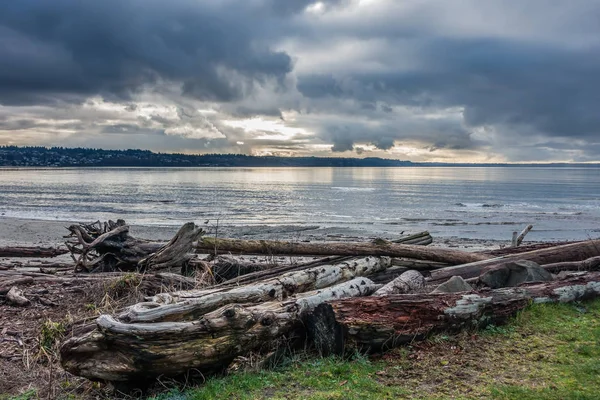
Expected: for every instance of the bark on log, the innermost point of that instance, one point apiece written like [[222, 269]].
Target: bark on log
[[570, 252], [42, 252], [409, 282], [379, 248], [116, 351], [375, 323], [189, 305]]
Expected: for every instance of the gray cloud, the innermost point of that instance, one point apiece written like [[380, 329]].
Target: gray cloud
[[488, 80], [115, 48]]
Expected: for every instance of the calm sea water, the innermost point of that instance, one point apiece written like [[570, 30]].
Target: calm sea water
[[561, 203]]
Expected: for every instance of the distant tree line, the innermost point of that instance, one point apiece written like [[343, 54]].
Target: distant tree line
[[34, 156]]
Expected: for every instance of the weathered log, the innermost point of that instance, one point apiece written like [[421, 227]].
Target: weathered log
[[251, 272], [570, 252], [523, 248], [419, 265], [379, 248], [47, 265], [375, 323], [176, 253], [590, 264], [523, 233], [409, 282], [189, 305], [115, 351], [42, 252], [110, 247], [147, 284], [278, 270]]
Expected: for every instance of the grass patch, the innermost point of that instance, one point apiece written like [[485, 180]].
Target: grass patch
[[546, 352]]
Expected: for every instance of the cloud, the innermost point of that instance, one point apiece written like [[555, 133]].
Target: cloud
[[429, 80], [116, 48]]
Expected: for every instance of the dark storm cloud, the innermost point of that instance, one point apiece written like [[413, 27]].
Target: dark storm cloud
[[115, 47], [498, 82]]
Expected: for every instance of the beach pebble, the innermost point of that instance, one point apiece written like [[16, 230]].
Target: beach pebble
[[515, 273], [453, 285]]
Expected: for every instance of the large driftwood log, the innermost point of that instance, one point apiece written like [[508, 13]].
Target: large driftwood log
[[570, 252], [189, 305], [116, 351], [374, 323], [239, 273], [20, 251], [379, 248]]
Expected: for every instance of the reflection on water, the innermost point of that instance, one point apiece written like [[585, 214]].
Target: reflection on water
[[562, 203]]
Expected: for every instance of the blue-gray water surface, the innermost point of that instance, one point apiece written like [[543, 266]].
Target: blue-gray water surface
[[472, 202]]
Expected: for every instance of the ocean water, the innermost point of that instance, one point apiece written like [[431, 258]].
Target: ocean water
[[489, 202]]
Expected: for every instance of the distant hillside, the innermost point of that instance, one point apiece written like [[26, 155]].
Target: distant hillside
[[13, 156]]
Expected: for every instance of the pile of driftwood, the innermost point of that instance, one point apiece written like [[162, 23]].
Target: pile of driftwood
[[367, 296]]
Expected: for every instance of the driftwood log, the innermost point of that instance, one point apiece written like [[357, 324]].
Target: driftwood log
[[176, 254], [189, 305], [378, 248], [117, 351], [409, 282], [42, 252], [235, 272], [375, 323], [109, 247], [590, 264], [570, 252], [148, 284]]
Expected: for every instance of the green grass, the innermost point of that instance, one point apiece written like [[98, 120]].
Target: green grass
[[546, 352]]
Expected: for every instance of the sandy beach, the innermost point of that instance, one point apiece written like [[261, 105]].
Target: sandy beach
[[29, 232]]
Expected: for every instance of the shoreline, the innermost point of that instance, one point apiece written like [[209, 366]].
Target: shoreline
[[44, 233]]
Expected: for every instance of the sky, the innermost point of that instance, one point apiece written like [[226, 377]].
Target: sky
[[419, 80]]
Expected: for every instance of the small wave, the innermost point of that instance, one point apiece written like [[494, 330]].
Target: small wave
[[479, 205], [352, 189], [493, 205]]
